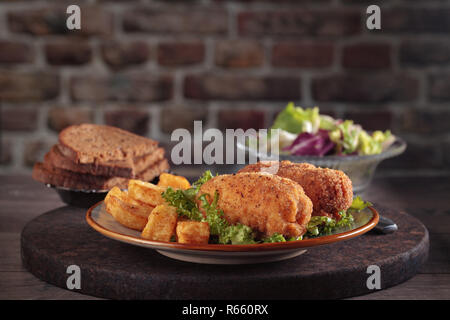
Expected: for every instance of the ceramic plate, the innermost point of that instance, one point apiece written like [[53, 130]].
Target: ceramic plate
[[103, 222]]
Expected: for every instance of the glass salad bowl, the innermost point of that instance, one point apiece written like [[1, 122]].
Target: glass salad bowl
[[359, 168]]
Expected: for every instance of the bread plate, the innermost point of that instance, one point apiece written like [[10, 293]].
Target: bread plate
[[79, 198], [104, 223], [82, 198]]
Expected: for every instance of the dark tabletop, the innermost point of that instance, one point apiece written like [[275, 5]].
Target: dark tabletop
[[427, 198]]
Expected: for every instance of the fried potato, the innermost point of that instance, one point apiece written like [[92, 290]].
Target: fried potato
[[140, 208], [193, 232], [127, 214], [171, 180], [161, 224], [146, 192]]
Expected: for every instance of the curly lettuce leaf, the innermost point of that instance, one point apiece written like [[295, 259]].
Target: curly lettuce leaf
[[184, 202], [276, 237], [214, 216], [237, 234], [207, 175], [327, 123], [373, 144], [296, 119], [322, 225], [359, 204], [346, 137]]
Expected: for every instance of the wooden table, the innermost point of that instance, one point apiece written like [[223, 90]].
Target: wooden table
[[427, 198]]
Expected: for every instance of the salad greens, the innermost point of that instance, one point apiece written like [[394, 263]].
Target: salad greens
[[307, 132], [322, 225], [185, 201], [296, 120], [276, 237]]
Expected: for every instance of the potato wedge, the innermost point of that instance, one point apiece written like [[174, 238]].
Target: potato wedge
[[171, 180], [161, 224], [193, 232], [126, 214], [137, 207], [146, 192]]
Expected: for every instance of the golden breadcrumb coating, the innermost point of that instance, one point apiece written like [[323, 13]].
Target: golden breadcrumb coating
[[330, 190], [265, 202]]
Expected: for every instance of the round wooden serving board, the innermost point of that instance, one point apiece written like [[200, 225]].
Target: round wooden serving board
[[111, 269]]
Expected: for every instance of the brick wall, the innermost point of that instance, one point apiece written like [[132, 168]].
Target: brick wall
[[154, 66]]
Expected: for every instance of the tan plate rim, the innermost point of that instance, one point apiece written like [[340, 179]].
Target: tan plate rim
[[235, 247]]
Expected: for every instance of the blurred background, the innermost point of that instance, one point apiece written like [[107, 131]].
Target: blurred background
[[153, 66]]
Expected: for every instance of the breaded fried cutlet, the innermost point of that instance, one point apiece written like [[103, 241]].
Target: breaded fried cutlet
[[330, 190], [265, 202]]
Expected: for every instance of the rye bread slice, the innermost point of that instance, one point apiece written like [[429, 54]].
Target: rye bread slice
[[46, 173], [107, 168], [92, 143]]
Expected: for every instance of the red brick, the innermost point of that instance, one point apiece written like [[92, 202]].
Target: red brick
[[21, 86], [305, 55], [6, 152], [180, 53], [239, 54], [439, 87], [416, 20], [175, 117], [424, 53], [424, 121], [121, 87], [131, 119], [241, 119], [68, 53], [52, 20], [35, 150], [120, 55], [176, 20], [19, 119], [367, 56], [62, 117], [446, 148], [230, 87], [365, 88], [15, 52], [305, 22]]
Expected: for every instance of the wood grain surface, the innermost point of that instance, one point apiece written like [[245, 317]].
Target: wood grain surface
[[426, 198]]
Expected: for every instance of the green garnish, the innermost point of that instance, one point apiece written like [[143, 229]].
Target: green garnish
[[322, 225], [207, 175], [184, 200], [276, 237], [359, 204], [237, 234]]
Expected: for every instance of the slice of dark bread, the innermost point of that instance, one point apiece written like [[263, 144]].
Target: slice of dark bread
[[92, 143], [107, 168], [48, 174]]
